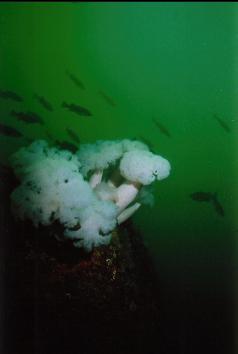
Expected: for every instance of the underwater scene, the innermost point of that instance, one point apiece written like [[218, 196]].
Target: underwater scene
[[118, 170]]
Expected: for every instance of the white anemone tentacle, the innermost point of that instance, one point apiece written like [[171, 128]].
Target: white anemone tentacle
[[127, 213], [96, 178]]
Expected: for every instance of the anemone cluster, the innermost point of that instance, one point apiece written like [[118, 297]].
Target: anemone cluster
[[89, 192]]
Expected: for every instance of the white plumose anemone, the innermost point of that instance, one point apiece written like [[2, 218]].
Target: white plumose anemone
[[54, 186], [139, 167]]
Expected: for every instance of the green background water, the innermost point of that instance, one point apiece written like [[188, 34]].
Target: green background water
[[175, 62]]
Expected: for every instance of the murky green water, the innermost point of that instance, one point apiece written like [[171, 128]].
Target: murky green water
[[173, 62]]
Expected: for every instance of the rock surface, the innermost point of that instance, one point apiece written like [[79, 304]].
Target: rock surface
[[57, 299]]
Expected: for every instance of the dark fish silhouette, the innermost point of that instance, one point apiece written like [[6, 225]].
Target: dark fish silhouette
[[73, 135], [10, 95], [218, 207], [202, 196], [75, 80], [67, 146], [9, 131], [162, 128], [108, 99], [222, 123], [46, 104], [209, 197], [147, 142], [77, 109], [28, 117]]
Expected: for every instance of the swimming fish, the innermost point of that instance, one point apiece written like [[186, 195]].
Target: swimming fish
[[67, 146], [222, 123], [218, 207], [108, 99], [77, 109], [9, 131], [209, 197], [75, 80], [28, 117], [10, 95], [73, 135], [162, 128], [46, 104], [202, 196], [147, 142]]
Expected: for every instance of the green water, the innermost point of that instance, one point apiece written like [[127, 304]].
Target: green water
[[175, 62]]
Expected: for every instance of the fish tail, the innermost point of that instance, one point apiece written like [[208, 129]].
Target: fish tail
[[214, 197], [68, 73], [37, 97]]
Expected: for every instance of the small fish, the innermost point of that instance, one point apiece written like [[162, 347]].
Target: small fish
[[162, 128], [202, 196], [217, 206], [108, 99], [222, 123], [28, 117], [10, 95], [77, 109], [67, 146], [73, 135], [147, 142], [75, 80], [209, 197], [9, 131], [46, 104]]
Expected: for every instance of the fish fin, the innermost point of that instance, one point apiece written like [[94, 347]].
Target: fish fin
[[214, 197]]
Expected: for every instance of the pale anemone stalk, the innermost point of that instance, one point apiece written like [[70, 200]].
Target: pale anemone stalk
[[96, 178], [127, 213]]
